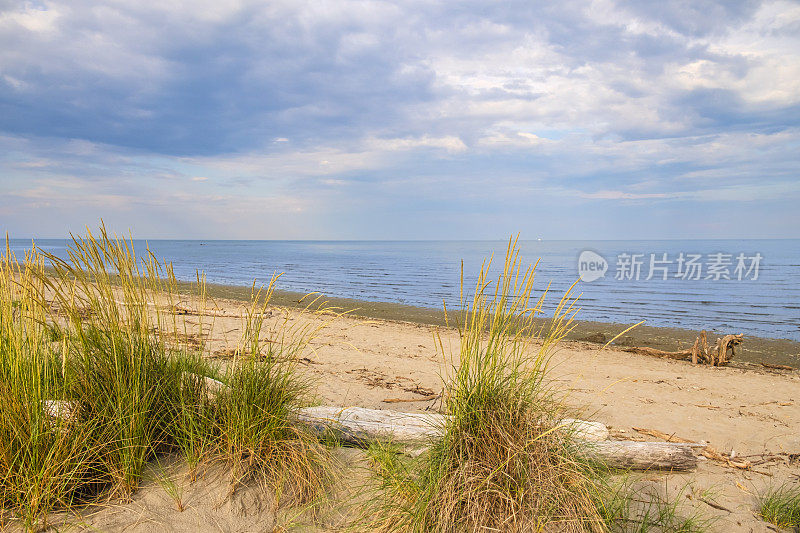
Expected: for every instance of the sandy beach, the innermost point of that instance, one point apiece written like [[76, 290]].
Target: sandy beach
[[449, 267], [748, 412], [755, 349]]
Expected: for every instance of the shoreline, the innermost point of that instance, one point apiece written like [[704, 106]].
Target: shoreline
[[754, 350]]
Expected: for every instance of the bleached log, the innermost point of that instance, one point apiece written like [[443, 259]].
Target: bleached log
[[355, 424], [633, 455], [60, 409], [586, 430], [358, 426], [212, 386]]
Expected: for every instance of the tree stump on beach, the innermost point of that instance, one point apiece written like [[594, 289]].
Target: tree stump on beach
[[721, 354]]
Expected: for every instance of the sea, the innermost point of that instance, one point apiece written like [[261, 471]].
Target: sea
[[729, 286]]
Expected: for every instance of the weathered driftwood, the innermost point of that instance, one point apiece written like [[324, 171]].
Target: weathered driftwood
[[707, 450], [682, 355], [635, 455], [212, 386], [773, 366], [357, 425], [60, 409], [723, 352]]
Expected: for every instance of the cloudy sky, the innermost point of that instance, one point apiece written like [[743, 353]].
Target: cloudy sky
[[393, 120]]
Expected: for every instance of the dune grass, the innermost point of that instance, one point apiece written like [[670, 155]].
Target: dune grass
[[781, 506], [630, 503], [502, 464], [44, 461], [505, 462], [249, 422], [96, 381], [194, 430]]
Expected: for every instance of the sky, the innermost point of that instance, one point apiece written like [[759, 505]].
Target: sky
[[401, 120]]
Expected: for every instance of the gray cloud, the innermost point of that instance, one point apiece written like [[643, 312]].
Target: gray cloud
[[413, 106], [696, 18]]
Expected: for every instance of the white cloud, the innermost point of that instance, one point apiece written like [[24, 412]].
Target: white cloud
[[447, 143], [622, 195], [519, 139]]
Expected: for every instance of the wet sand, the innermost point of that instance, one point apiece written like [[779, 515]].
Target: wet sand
[[754, 350]]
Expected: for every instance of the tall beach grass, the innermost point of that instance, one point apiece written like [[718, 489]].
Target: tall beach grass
[[505, 460], [95, 381], [502, 463], [45, 461]]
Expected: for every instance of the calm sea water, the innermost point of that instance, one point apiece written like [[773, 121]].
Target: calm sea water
[[764, 302]]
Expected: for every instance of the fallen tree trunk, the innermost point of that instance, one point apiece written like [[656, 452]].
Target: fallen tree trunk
[[633, 455], [359, 426]]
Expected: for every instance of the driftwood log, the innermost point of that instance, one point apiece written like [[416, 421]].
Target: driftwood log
[[358, 426], [721, 354], [707, 450]]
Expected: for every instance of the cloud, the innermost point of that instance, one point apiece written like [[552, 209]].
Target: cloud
[[621, 195], [448, 143], [431, 107]]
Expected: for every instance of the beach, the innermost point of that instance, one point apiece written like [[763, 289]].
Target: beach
[[755, 349], [750, 413], [400, 267]]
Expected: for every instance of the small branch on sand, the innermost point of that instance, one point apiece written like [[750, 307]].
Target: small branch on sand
[[722, 353], [409, 400], [715, 505], [776, 367]]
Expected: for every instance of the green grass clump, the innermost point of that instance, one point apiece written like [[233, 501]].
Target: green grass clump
[[502, 464], [117, 370], [44, 461], [781, 506], [193, 430], [249, 421], [628, 504], [257, 434], [95, 383]]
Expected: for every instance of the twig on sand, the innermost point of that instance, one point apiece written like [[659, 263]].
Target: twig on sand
[[404, 400], [714, 505]]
